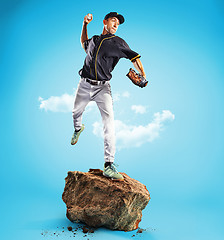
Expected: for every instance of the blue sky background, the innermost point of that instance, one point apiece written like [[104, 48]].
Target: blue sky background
[[181, 44]]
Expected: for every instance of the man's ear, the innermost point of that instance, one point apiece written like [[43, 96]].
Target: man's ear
[[104, 22]]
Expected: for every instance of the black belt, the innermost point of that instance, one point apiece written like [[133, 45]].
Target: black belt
[[94, 82]]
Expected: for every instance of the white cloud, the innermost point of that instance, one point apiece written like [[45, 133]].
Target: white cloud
[[97, 129], [63, 103], [117, 96], [134, 136], [138, 109], [126, 94], [90, 107], [164, 117]]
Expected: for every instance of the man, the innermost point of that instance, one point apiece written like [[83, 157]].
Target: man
[[103, 53]]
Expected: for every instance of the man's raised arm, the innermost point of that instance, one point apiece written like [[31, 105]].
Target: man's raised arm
[[84, 36]]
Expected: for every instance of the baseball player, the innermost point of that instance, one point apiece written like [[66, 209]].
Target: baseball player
[[102, 54]]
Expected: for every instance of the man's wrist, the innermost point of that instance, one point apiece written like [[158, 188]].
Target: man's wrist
[[143, 74]]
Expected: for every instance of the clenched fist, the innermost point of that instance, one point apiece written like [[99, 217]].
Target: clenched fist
[[88, 18]]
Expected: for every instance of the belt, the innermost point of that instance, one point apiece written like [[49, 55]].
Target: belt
[[94, 82]]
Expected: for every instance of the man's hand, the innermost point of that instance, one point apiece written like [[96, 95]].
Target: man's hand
[[88, 18]]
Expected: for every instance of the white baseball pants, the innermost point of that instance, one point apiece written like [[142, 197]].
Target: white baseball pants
[[102, 96]]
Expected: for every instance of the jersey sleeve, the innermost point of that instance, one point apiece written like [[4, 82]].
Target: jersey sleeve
[[126, 52], [86, 44]]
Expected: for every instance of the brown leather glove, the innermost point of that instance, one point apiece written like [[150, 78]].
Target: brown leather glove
[[137, 78]]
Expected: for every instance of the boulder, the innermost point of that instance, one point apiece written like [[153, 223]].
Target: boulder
[[99, 201]]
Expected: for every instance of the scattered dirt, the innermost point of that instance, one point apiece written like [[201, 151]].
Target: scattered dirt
[[140, 230], [86, 230], [69, 228]]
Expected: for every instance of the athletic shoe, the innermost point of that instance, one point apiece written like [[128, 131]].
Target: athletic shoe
[[111, 172], [75, 135]]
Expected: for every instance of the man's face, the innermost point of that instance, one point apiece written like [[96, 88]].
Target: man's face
[[111, 25]]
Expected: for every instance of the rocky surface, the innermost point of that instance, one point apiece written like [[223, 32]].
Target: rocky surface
[[101, 202]]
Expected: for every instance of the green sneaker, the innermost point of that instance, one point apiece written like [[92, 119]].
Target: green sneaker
[[75, 135], [111, 172]]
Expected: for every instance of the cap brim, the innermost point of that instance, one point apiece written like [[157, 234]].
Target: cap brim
[[120, 18]]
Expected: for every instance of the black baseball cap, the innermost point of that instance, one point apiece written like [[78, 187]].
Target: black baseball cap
[[115, 14]]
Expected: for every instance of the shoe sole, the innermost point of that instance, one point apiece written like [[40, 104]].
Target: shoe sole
[[74, 143], [114, 179]]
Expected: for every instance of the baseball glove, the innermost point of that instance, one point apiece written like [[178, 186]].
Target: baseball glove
[[137, 78]]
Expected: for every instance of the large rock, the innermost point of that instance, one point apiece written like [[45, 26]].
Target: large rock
[[99, 201]]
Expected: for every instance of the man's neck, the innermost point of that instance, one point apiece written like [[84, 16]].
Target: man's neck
[[105, 32]]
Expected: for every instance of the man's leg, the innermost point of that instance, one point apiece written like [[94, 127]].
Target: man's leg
[[104, 102], [82, 98], [105, 105]]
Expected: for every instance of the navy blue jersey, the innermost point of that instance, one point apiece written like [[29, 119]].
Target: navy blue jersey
[[103, 53]]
